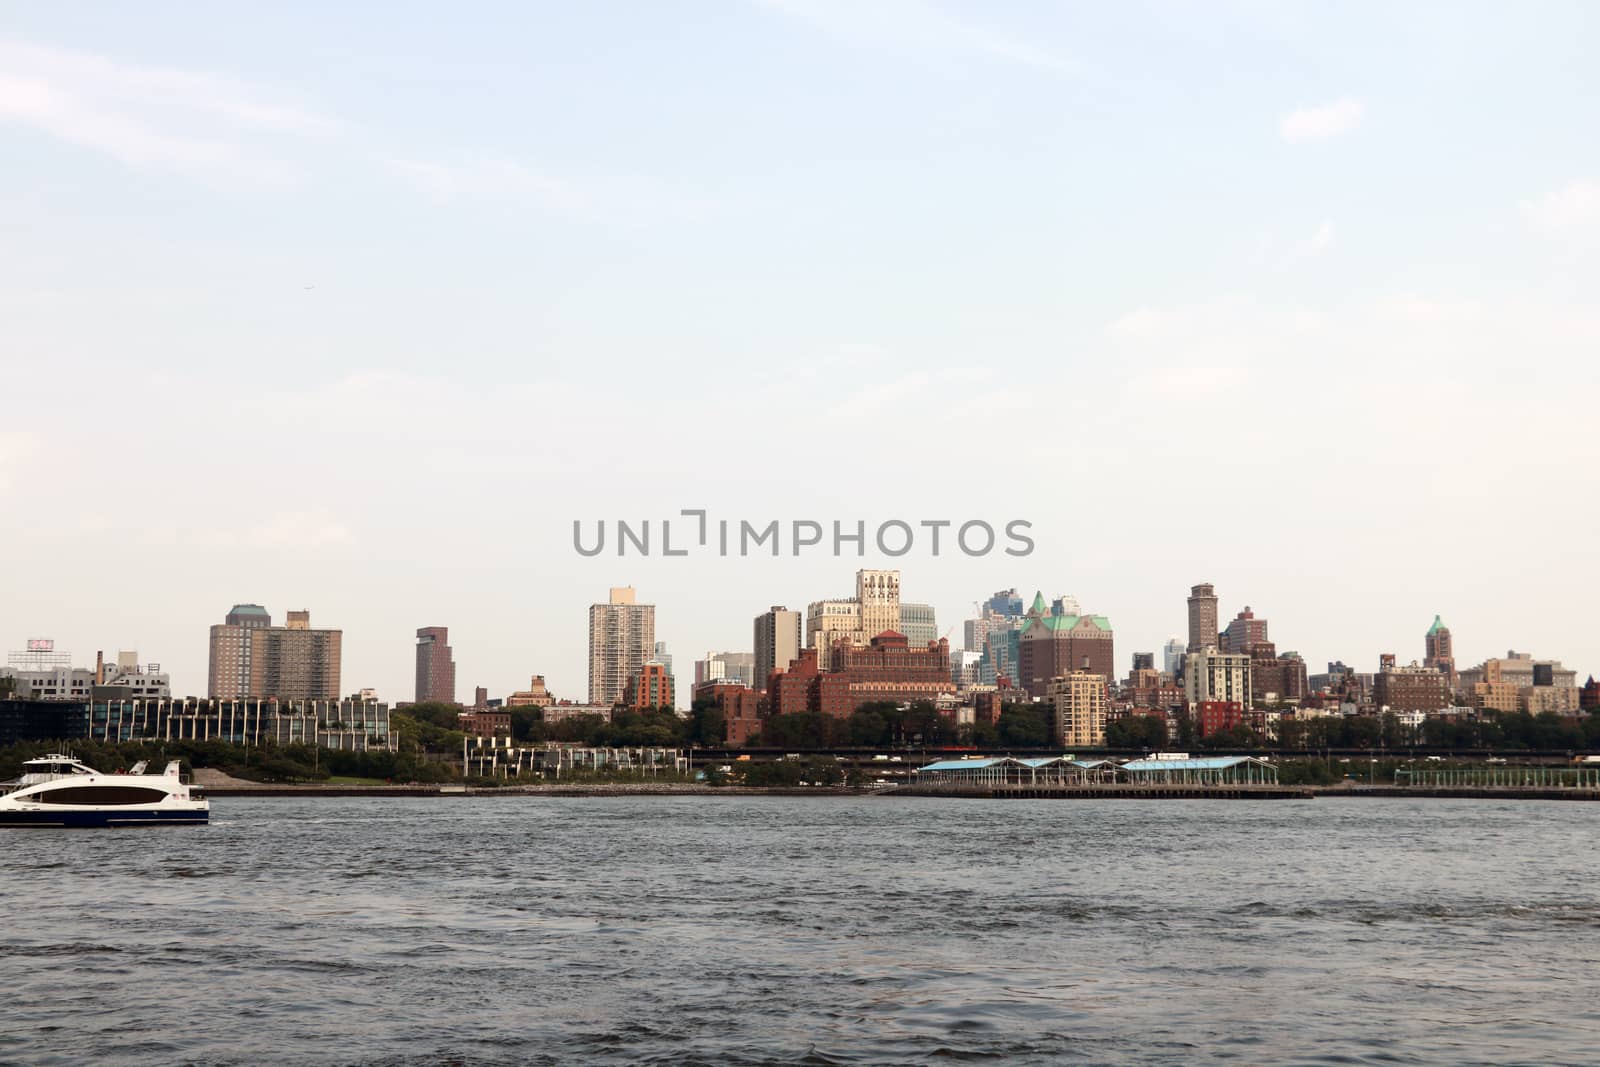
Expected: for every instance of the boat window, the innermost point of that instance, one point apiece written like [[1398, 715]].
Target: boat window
[[100, 794]]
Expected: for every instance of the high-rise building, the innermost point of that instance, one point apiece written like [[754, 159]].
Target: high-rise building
[[1211, 675], [622, 636], [1065, 604], [917, 623], [252, 659], [436, 666], [1276, 679], [875, 609], [1079, 701], [650, 687], [1439, 649], [1202, 618], [1172, 657], [1053, 645], [1243, 633], [737, 667], [1144, 661], [777, 637]]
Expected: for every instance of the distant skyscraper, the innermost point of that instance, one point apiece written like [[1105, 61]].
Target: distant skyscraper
[[1144, 661], [1065, 604], [436, 666], [1202, 618], [737, 667], [917, 623], [1244, 633], [1440, 649], [622, 636], [874, 609], [777, 637], [1172, 657], [251, 658], [1050, 646]]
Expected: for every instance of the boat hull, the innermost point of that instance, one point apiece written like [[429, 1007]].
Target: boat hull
[[109, 819]]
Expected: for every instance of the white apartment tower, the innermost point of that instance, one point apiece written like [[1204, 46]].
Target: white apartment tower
[[622, 637]]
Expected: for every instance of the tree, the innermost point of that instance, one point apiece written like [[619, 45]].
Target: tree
[[1137, 731], [1024, 726], [707, 725]]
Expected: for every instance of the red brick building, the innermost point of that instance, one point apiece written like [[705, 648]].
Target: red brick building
[[740, 706], [889, 669], [1050, 646], [651, 687], [805, 688], [1274, 678], [1211, 716], [485, 722]]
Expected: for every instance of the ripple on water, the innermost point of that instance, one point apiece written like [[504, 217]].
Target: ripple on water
[[809, 930]]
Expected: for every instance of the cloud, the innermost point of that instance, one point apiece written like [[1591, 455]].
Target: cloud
[[1574, 206], [1321, 123], [917, 26], [154, 118]]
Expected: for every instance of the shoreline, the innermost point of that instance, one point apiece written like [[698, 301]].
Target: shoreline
[[239, 788]]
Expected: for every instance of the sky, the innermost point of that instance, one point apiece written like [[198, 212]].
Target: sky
[[357, 308]]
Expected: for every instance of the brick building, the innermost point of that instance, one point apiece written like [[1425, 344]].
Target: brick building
[[1050, 646], [485, 722], [1276, 679], [1411, 688], [1212, 716], [804, 687], [650, 687], [740, 706]]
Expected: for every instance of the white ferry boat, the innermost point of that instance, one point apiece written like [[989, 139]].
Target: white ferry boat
[[58, 790]]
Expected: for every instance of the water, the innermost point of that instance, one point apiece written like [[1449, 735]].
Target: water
[[809, 930]]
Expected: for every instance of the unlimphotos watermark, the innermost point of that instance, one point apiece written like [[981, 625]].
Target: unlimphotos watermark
[[741, 537]]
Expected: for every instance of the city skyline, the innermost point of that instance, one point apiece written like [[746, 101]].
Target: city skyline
[[1404, 653], [333, 335]]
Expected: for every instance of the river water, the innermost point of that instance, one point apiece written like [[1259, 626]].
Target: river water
[[809, 930]]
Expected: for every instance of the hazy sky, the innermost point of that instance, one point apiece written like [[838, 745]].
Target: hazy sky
[[356, 308]]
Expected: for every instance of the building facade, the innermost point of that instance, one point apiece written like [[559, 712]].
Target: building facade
[[1411, 688], [1243, 633], [778, 635], [1049, 646], [873, 610], [918, 624], [1439, 649], [436, 666], [1079, 703], [622, 637], [253, 660], [347, 725], [1202, 618], [537, 695], [1213, 675], [737, 667], [650, 687]]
